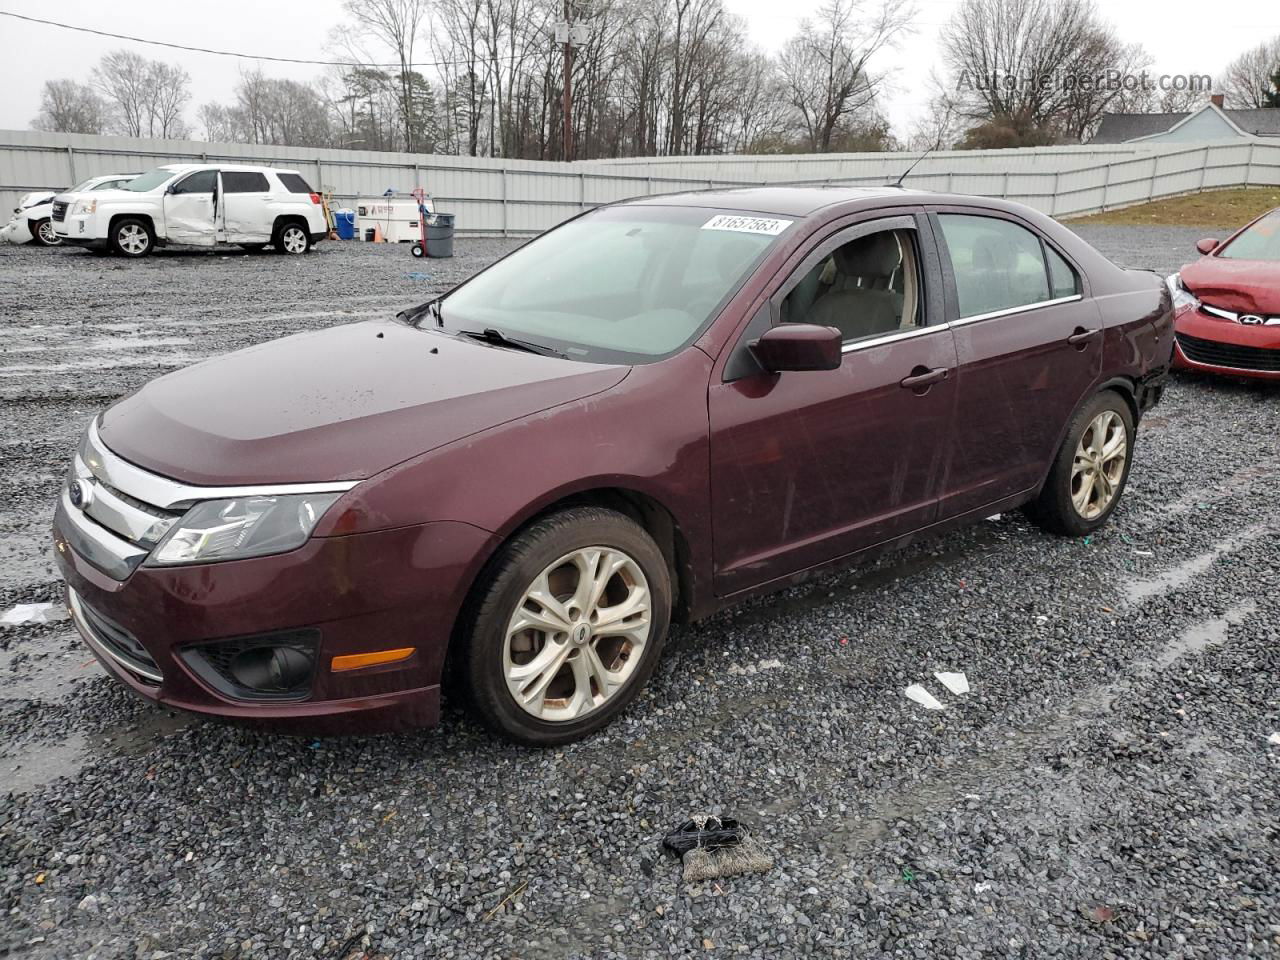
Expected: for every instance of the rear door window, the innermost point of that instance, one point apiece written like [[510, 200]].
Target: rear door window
[[244, 181], [294, 183], [1062, 278], [998, 265]]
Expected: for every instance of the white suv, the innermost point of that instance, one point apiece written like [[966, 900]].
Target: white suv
[[199, 205]]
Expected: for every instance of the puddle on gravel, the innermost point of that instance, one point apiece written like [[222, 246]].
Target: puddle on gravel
[[33, 765], [51, 671], [1200, 636], [1139, 591]]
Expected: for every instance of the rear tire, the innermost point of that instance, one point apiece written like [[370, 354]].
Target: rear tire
[[131, 237], [43, 235], [599, 572], [291, 238], [1091, 469]]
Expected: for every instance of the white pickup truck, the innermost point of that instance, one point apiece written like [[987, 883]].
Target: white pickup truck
[[197, 205]]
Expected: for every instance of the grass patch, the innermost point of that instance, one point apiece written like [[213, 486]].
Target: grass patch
[[1213, 208]]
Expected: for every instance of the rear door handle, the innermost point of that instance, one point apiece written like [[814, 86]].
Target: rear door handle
[[925, 377], [1082, 336]]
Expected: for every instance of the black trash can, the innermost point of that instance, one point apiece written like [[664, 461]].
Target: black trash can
[[440, 235]]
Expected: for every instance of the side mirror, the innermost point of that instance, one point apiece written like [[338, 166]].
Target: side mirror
[[798, 346], [1207, 246]]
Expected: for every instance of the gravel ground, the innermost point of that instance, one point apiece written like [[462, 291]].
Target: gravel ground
[[1106, 789]]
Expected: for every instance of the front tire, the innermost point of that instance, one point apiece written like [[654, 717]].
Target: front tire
[[568, 627], [1091, 469], [292, 239], [43, 235], [131, 237]]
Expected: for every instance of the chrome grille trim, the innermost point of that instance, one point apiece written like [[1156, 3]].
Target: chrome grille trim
[[169, 495], [114, 556], [102, 648]]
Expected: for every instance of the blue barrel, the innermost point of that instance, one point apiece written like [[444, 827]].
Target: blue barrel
[[345, 223]]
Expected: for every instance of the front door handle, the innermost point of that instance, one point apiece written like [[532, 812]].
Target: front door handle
[[1082, 336], [922, 378]]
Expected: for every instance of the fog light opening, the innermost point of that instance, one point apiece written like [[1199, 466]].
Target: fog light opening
[[272, 669]]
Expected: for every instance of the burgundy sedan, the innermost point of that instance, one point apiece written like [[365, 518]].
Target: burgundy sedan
[[1228, 304], [652, 411]]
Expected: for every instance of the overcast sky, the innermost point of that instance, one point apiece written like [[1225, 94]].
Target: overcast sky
[[1184, 37]]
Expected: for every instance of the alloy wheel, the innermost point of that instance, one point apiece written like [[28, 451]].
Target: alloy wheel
[[133, 239], [48, 236], [294, 240], [576, 637], [1099, 464]]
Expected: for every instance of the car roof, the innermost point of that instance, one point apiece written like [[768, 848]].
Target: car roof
[[785, 201], [252, 168]]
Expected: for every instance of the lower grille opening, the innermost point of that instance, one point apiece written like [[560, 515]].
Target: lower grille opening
[[274, 666], [1216, 354], [122, 645]]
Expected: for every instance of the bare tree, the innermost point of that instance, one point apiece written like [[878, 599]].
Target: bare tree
[[1035, 68], [825, 68], [397, 25], [124, 78], [168, 94], [68, 106], [1248, 76], [147, 97]]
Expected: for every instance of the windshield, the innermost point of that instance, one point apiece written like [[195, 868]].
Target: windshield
[[629, 283], [149, 180], [1260, 241]]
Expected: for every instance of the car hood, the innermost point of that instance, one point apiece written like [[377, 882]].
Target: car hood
[[1243, 286], [336, 404]]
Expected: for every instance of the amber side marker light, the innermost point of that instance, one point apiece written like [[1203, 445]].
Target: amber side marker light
[[354, 661]]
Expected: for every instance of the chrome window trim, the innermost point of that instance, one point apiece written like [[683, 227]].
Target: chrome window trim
[[875, 341], [100, 648], [166, 494], [1009, 311], [852, 345]]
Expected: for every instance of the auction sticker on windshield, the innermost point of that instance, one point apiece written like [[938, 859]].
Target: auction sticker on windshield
[[747, 224]]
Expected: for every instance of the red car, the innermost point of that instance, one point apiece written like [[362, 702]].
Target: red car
[[650, 412], [1228, 304]]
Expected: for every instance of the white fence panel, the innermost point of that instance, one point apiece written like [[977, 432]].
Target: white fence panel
[[496, 195]]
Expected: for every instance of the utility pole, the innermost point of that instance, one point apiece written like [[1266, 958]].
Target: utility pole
[[568, 83], [571, 35]]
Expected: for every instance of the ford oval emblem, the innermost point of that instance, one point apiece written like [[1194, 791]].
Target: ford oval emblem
[[80, 494], [1251, 319]]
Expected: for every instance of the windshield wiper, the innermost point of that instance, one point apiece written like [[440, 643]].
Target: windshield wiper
[[499, 339]]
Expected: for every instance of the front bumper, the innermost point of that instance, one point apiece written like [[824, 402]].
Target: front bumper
[[80, 229], [1215, 345], [359, 593]]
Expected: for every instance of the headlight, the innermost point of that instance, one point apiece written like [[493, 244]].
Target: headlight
[[1183, 299], [243, 527], [85, 206]]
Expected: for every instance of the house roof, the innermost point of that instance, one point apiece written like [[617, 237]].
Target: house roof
[[1261, 123], [1119, 127], [1123, 127]]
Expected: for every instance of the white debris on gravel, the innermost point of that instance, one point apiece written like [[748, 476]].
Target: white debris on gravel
[[923, 697], [23, 613], [957, 683]]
